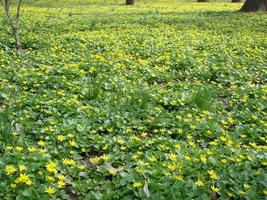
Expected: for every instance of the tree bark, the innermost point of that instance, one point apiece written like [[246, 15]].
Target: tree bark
[[236, 1], [254, 6], [129, 2]]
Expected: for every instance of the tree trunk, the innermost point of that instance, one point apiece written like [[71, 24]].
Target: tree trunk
[[254, 6], [13, 23], [16, 37], [129, 2], [202, 0], [236, 1]]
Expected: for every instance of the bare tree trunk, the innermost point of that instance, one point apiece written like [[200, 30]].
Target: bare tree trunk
[[236, 1], [254, 6], [14, 24], [129, 2]]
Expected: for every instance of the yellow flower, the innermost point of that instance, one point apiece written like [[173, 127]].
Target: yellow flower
[[91, 69], [187, 158], [167, 173], [94, 160], [179, 177], [32, 149], [42, 150], [22, 168], [152, 159], [137, 184], [192, 144], [231, 120], [68, 161], [10, 169], [199, 183], [105, 157], [112, 172], [41, 143], [72, 143], [230, 194], [179, 130], [143, 62], [123, 148], [9, 147], [51, 167], [13, 185], [203, 159], [50, 190], [60, 138], [246, 186], [61, 184], [171, 167], [19, 148], [144, 134], [213, 143], [61, 177], [14, 133], [179, 166], [212, 174], [214, 189], [173, 157], [50, 178], [177, 146], [29, 182], [82, 167], [23, 178]]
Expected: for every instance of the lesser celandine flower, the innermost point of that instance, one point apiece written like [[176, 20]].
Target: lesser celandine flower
[[19, 148], [23, 178], [10, 169], [51, 167], [199, 183], [50, 190], [120, 141], [50, 178], [61, 184], [137, 184], [179, 177], [41, 143], [105, 157], [22, 168], [95, 160], [215, 189], [29, 182], [60, 138], [112, 171], [173, 157], [68, 161], [72, 143], [43, 150], [246, 186], [32, 149], [212, 174], [203, 159], [9, 147]]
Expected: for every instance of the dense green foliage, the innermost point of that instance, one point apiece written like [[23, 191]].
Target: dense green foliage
[[159, 100]]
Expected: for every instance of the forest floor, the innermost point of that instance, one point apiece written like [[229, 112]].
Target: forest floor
[[159, 100]]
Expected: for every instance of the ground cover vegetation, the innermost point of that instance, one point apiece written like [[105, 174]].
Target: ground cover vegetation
[[161, 100]]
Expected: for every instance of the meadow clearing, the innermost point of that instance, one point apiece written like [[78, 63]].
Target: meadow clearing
[[160, 100]]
